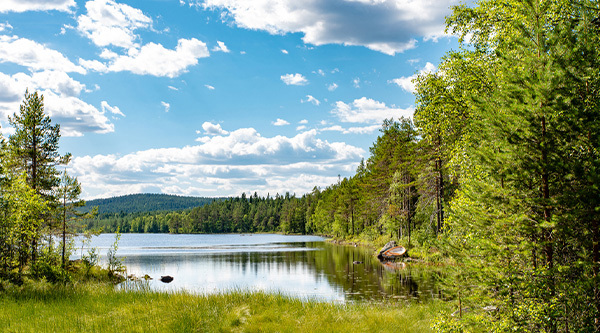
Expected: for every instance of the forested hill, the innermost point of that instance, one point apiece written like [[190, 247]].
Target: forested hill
[[139, 203]]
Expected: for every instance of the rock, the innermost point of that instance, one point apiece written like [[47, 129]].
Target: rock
[[388, 246], [391, 251], [166, 279]]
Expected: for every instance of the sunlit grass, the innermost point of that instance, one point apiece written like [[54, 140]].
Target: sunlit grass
[[96, 307]]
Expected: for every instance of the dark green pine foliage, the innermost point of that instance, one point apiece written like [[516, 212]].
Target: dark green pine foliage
[[525, 219], [34, 151], [34, 144]]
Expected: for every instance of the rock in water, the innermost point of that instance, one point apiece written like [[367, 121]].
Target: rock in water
[[166, 278]]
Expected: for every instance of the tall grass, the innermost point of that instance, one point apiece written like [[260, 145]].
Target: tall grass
[[42, 307]]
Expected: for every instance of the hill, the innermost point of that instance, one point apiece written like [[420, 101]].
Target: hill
[[139, 203]]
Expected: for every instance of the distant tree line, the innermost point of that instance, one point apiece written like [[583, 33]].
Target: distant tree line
[[146, 202]]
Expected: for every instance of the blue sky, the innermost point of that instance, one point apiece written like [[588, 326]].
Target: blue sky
[[217, 97]]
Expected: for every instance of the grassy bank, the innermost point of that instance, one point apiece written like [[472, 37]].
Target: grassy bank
[[99, 308]]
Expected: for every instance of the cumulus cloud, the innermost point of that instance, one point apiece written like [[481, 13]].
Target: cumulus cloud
[[220, 47], [93, 65], [294, 79], [406, 83], [332, 87], [61, 101], [155, 59], [225, 164], [284, 51], [5, 27], [311, 99], [110, 23], [213, 129], [280, 122], [209, 87], [35, 56], [387, 26], [366, 110], [20, 6]]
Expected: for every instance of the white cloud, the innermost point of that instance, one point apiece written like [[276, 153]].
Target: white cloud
[[166, 105], [111, 109], [172, 88], [93, 65], [20, 6], [61, 101], [110, 23], [356, 82], [332, 87], [387, 26], [76, 116], [303, 121], [5, 27], [366, 110], [311, 99], [406, 83], [221, 47], [353, 130], [284, 52], [209, 87], [59, 82], [280, 122], [213, 129], [221, 165], [35, 56], [301, 128], [294, 79], [154, 59], [320, 72]]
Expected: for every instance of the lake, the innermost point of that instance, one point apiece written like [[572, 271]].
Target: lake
[[299, 266]]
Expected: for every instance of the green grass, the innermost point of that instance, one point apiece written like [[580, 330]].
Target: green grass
[[41, 307]]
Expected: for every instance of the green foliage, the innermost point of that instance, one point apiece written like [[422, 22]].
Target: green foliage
[[519, 227], [115, 264], [30, 213]]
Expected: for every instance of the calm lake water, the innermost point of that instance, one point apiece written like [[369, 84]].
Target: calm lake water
[[300, 266]]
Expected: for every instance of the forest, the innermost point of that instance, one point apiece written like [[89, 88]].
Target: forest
[[145, 202], [496, 176]]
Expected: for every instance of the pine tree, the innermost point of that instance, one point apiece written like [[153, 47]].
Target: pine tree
[[34, 150]]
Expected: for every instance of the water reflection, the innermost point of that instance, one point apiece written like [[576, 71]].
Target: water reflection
[[297, 266]]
